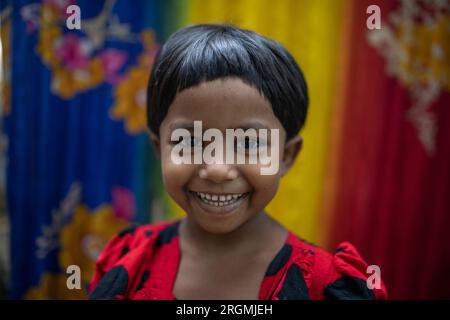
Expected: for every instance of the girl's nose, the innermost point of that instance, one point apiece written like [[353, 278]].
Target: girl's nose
[[218, 172]]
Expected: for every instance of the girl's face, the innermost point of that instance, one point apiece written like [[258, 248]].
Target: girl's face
[[221, 197]]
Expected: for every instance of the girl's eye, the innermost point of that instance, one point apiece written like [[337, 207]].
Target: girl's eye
[[190, 141], [248, 143]]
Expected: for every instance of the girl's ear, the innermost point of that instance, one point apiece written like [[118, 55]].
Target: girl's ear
[[156, 142], [291, 150]]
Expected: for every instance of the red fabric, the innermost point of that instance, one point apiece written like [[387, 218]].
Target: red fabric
[[153, 251], [392, 199]]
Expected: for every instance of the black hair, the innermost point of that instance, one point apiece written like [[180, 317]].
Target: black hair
[[206, 52]]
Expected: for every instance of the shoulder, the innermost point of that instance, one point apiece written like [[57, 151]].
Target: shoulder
[[335, 276], [137, 237], [122, 258]]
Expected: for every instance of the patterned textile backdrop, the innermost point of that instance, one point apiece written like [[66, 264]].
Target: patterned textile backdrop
[[80, 167], [373, 169]]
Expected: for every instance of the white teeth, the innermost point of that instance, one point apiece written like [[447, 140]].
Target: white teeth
[[218, 200]]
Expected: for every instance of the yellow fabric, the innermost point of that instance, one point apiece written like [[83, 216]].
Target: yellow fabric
[[310, 30]]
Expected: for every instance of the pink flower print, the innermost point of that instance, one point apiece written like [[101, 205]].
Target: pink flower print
[[113, 60], [73, 52], [123, 203]]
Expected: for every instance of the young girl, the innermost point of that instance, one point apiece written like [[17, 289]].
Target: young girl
[[226, 247]]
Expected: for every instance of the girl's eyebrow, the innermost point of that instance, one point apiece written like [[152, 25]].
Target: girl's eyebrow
[[189, 125], [253, 124]]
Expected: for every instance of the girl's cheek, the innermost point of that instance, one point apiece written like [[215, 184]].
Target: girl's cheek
[[264, 186], [176, 175]]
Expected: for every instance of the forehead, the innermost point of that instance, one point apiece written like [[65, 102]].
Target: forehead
[[222, 103]]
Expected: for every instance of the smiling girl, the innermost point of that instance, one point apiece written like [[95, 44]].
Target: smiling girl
[[227, 247]]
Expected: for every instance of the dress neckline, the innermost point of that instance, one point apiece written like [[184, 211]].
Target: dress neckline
[[264, 282]]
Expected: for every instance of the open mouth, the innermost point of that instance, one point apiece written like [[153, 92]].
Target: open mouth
[[219, 201]]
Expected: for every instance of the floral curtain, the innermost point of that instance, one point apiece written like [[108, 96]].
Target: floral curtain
[[79, 163]]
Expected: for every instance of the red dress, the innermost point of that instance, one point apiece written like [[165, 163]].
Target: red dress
[[141, 263]]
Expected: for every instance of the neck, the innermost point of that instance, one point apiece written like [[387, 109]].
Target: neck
[[247, 237]]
